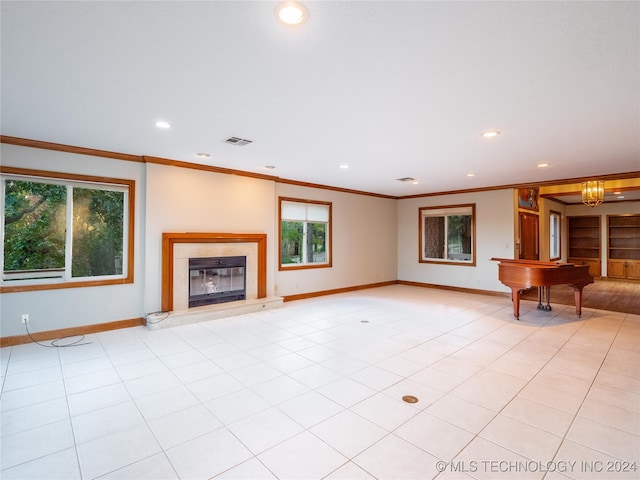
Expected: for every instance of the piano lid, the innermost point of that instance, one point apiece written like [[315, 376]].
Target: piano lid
[[533, 262]]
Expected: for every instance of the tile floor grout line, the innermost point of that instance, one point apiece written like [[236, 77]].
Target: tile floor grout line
[[144, 418], [34, 405], [563, 438], [73, 432], [477, 435], [593, 381]]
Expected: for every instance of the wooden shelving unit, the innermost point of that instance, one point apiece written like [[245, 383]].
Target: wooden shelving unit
[[584, 242], [623, 252]]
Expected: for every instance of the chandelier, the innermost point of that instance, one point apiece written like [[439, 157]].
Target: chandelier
[[593, 192]]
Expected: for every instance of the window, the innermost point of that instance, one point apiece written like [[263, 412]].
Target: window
[[305, 234], [554, 235], [447, 234], [65, 230]]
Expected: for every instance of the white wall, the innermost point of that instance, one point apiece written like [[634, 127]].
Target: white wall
[[364, 242], [494, 238], [72, 307]]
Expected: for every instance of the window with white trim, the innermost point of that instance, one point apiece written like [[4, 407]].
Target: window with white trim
[[447, 234], [59, 229], [305, 233]]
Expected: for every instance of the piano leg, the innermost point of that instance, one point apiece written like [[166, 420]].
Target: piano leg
[[544, 296], [515, 298], [540, 294], [577, 295]]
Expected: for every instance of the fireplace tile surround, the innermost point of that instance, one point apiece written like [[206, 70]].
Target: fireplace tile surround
[[177, 248]]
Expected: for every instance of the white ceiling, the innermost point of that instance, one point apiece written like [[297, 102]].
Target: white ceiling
[[393, 89]]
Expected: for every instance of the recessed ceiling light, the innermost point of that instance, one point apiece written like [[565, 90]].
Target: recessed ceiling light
[[269, 167], [203, 155], [344, 166], [291, 13], [491, 134], [162, 124], [416, 182], [542, 165], [471, 174]]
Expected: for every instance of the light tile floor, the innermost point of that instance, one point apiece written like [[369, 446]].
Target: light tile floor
[[314, 390]]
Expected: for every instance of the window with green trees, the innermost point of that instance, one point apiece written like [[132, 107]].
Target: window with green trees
[[305, 228], [62, 230], [447, 234]]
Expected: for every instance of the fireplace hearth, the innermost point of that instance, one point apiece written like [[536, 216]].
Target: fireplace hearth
[[217, 280]]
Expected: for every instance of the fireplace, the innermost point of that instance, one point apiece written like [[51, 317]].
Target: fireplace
[[217, 280], [179, 247]]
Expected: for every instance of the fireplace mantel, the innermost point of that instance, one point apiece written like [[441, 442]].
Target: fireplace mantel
[[169, 240]]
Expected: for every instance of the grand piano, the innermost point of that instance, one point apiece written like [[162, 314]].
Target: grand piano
[[521, 275]]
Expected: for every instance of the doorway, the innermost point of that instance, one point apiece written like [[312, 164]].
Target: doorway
[[528, 226]]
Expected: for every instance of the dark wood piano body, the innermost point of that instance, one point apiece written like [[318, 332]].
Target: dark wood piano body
[[520, 275]]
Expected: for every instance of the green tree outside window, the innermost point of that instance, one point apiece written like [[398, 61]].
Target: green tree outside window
[[37, 240]]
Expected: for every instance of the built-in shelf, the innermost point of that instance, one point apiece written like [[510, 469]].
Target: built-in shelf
[[623, 250], [584, 242]]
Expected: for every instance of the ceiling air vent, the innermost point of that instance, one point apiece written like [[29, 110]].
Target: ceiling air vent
[[406, 179], [240, 142]]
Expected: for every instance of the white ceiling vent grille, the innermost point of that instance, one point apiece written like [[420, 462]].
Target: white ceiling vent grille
[[240, 142], [406, 179]]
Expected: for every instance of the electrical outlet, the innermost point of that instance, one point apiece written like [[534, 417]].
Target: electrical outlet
[[25, 318]]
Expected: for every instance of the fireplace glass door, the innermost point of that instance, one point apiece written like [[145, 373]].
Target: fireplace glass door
[[216, 280]]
